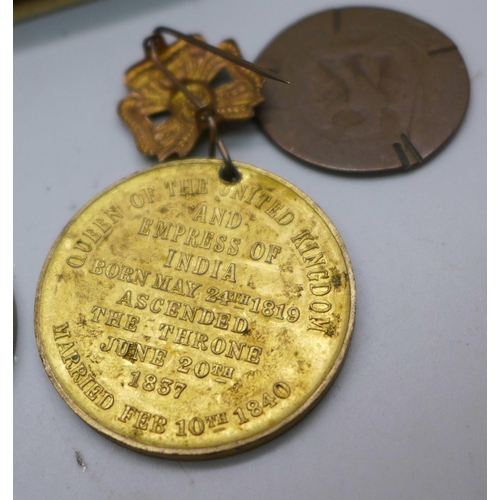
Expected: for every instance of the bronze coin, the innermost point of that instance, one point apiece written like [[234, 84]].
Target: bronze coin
[[370, 90]]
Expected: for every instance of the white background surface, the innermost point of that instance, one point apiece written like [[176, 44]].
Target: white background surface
[[406, 418]]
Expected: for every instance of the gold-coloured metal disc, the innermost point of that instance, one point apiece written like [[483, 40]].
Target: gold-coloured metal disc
[[189, 318]]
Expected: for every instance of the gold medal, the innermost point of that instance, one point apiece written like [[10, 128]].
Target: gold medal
[[184, 316], [187, 316]]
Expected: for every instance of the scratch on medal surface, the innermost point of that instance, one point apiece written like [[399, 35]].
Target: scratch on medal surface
[[80, 462]]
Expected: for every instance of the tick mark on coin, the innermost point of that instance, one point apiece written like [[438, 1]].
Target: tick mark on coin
[[336, 20], [412, 148], [220, 381], [220, 429], [405, 162], [80, 462], [433, 52]]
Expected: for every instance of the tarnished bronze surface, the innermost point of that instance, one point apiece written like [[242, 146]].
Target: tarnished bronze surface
[[162, 117], [187, 317], [370, 90]]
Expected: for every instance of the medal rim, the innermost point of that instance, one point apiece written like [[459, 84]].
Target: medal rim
[[237, 446]]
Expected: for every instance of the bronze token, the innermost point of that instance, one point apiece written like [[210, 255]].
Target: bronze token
[[187, 317], [370, 90]]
